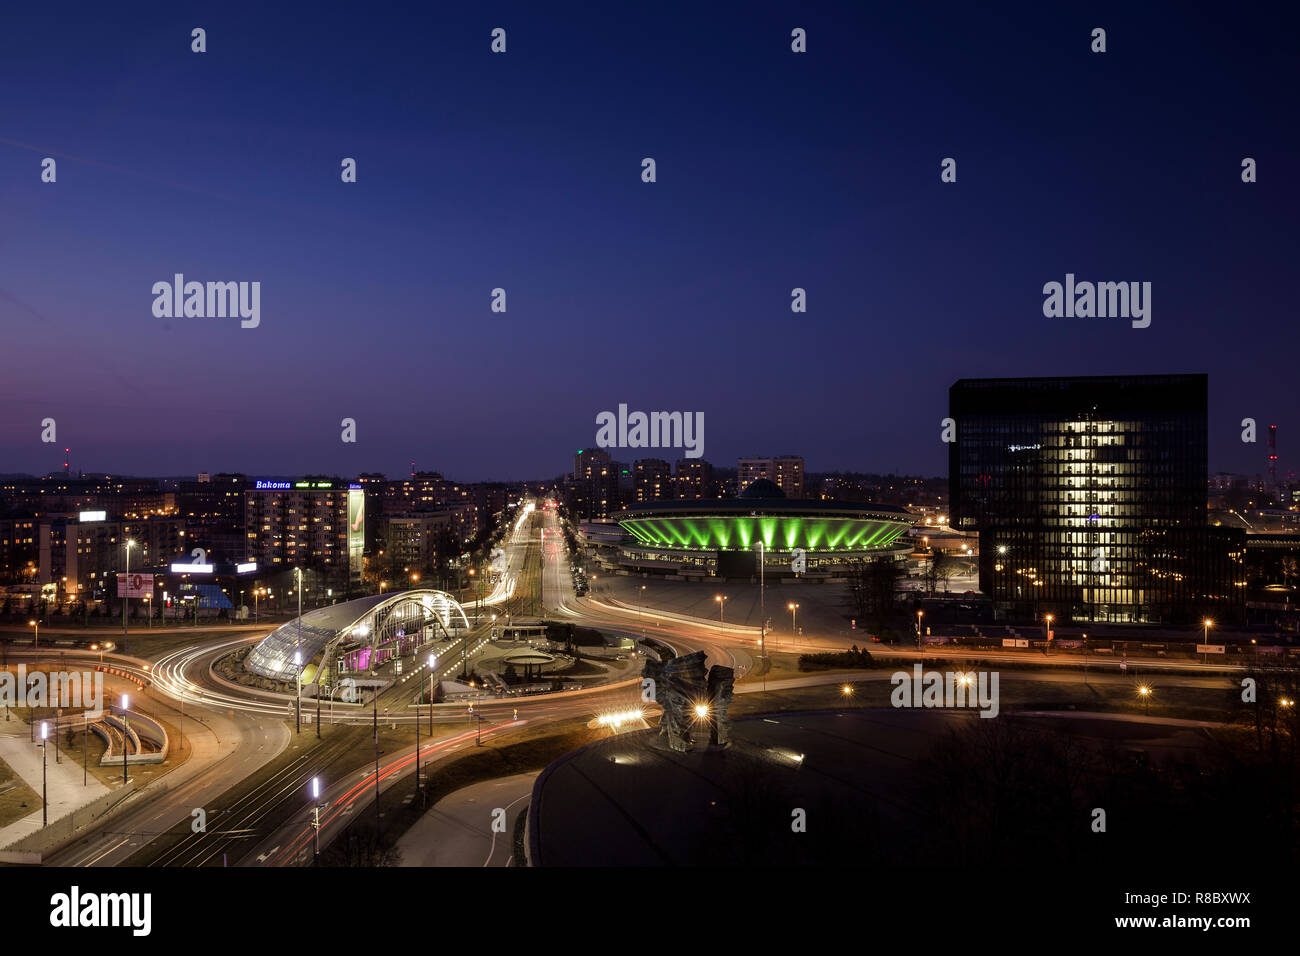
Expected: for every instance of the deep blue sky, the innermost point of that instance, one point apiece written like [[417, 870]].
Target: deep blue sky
[[523, 171]]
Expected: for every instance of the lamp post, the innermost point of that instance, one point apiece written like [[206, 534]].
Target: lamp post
[[45, 802], [297, 658], [762, 608], [297, 668], [374, 704], [1205, 640], [793, 608], [126, 702], [1048, 646], [722, 601], [417, 741], [126, 590], [640, 610], [433, 659], [37, 626], [188, 688], [315, 820], [1145, 693], [919, 614]]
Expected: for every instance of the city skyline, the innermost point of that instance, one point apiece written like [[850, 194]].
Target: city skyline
[[576, 436]]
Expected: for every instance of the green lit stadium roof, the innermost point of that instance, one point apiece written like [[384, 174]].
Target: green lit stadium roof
[[733, 524]]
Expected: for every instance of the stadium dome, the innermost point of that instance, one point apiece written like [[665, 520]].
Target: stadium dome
[[761, 488]]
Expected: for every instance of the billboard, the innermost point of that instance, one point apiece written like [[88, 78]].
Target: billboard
[[141, 585], [356, 530]]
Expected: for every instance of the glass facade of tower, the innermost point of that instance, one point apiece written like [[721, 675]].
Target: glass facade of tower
[[1089, 498]]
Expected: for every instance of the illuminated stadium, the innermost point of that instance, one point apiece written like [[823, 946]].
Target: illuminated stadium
[[355, 637], [723, 534]]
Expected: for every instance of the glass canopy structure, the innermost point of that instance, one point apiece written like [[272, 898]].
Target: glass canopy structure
[[370, 629]]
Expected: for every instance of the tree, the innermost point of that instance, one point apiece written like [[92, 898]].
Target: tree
[[945, 566], [874, 583]]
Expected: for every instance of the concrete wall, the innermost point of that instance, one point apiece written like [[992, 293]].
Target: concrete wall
[[62, 831], [139, 726]]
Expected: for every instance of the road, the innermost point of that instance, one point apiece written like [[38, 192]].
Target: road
[[459, 831]]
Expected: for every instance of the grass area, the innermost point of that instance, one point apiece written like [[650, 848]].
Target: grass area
[[582, 668], [89, 749], [783, 665], [138, 644], [17, 800], [142, 645]]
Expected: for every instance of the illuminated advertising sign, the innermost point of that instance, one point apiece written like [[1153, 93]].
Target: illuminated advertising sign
[[272, 485], [93, 516], [246, 568], [356, 530], [135, 585]]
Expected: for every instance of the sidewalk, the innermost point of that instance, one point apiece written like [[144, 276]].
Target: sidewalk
[[65, 788]]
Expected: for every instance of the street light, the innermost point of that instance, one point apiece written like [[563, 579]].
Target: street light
[[1205, 640], [722, 601], [1048, 618], [919, 615], [1145, 693], [315, 820], [190, 688], [762, 606], [126, 591], [847, 690], [793, 608], [126, 702], [297, 657], [433, 660], [297, 667], [37, 625], [45, 802], [417, 740]]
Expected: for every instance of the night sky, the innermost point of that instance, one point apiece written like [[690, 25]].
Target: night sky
[[523, 171]]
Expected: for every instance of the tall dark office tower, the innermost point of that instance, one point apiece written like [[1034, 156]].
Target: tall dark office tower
[[1089, 498]]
